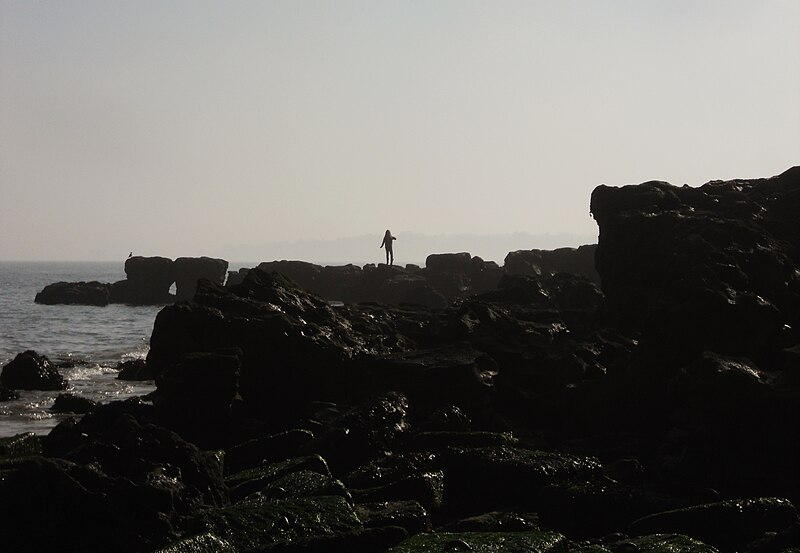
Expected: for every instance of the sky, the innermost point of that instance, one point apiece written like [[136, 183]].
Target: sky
[[251, 130]]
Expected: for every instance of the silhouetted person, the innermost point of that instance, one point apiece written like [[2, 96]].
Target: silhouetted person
[[387, 241]]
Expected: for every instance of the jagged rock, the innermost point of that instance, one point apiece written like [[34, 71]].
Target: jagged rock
[[712, 268], [246, 482], [188, 270], [496, 477], [31, 371], [295, 347], [598, 508], [458, 375], [71, 403], [249, 526], [543, 263], [257, 451], [134, 369], [729, 525], [439, 441], [426, 488], [203, 543], [409, 515], [195, 396], [675, 543], [495, 521], [148, 280], [483, 542], [80, 293], [362, 433], [20, 445], [406, 476], [120, 439], [107, 513]]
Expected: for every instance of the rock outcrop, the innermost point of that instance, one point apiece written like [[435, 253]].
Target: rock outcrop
[[714, 267], [188, 270], [31, 371], [77, 293], [148, 282]]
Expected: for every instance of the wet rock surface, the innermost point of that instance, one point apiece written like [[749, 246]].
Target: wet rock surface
[[31, 371], [525, 411]]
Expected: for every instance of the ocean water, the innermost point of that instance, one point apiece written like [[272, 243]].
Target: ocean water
[[95, 339]]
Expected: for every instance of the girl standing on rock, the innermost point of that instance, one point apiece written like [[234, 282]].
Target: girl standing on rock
[[387, 241]]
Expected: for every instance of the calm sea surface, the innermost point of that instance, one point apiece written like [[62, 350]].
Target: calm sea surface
[[94, 338]]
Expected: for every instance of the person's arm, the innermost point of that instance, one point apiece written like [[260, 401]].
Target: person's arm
[[383, 242]]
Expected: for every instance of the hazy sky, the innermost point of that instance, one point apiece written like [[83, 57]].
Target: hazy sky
[[221, 128]]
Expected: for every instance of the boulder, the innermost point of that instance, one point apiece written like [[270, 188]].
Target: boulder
[[71, 403], [21, 445], [543, 263], [449, 262], [31, 371], [75, 293], [148, 280], [709, 268], [409, 515], [483, 478], [295, 347], [120, 439], [253, 526], [134, 369], [188, 270], [484, 542], [729, 525], [106, 513]]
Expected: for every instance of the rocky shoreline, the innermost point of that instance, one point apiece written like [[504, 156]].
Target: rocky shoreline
[[462, 406]]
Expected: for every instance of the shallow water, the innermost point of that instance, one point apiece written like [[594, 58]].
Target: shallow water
[[94, 338]]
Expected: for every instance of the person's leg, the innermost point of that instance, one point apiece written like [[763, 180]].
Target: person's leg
[[387, 256]]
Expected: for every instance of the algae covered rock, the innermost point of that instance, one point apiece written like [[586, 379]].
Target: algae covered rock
[[726, 524], [20, 445], [203, 543], [257, 525], [483, 542], [256, 479], [409, 515], [597, 508], [493, 477]]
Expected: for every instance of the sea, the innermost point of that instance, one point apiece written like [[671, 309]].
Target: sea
[[93, 339]]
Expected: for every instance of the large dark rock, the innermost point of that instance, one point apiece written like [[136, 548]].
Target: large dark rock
[[729, 525], [82, 293], [121, 440], [295, 347], [195, 396], [31, 371], [501, 477], [134, 369], [713, 267], [188, 270], [149, 280], [543, 263], [82, 507], [71, 403]]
